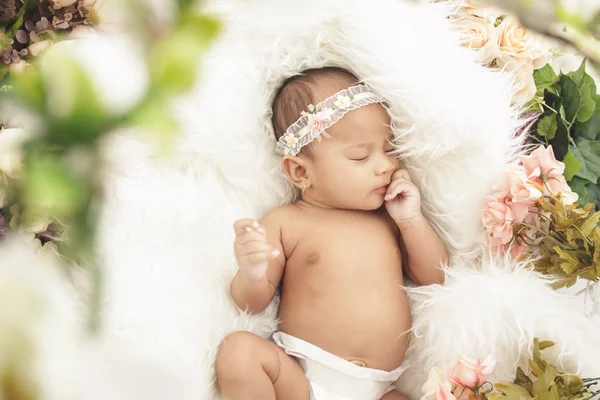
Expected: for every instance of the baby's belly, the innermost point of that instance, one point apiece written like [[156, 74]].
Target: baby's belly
[[354, 312]]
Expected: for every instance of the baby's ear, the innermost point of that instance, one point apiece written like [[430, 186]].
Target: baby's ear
[[295, 169]]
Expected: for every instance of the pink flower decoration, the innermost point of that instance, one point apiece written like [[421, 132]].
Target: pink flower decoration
[[498, 220], [541, 164], [542, 161], [317, 121], [522, 189], [472, 373]]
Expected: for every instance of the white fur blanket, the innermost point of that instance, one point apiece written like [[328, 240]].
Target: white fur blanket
[[166, 238]]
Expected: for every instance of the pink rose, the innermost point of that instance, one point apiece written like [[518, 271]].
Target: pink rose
[[472, 373], [521, 188], [541, 164], [498, 220], [542, 161]]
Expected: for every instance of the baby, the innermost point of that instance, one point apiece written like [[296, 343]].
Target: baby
[[338, 253]]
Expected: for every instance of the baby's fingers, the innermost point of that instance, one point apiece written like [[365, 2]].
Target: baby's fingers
[[399, 187], [244, 225], [252, 248]]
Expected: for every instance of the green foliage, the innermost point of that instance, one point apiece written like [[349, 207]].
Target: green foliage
[[547, 383], [568, 247], [571, 124]]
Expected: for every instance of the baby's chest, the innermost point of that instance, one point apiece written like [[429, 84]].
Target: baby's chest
[[347, 239]]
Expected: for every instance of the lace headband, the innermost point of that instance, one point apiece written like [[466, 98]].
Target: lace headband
[[312, 124]]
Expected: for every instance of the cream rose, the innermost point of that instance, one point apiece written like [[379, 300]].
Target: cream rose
[[524, 88], [516, 42], [480, 35]]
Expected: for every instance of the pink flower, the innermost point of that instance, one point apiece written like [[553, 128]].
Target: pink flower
[[437, 387], [498, 220], [542, 161], [472, 373], [522, 189], [541, 165], [519, 210]]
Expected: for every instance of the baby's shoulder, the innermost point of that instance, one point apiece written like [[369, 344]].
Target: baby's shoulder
[[279, 215]]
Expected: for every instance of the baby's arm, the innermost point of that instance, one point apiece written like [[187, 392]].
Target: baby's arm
[[425, 251], [261, 260]]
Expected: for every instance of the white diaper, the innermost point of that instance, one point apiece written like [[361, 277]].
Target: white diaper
[[333, 378]]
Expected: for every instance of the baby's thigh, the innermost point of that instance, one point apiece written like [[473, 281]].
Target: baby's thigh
[[248, 359], [394, 396]]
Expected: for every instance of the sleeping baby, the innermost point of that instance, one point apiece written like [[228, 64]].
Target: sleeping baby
[[338, 253]]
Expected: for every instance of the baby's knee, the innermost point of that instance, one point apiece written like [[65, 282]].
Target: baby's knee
[[236, 354]]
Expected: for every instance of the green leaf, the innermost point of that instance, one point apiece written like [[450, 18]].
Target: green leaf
[[587, 153], [571, 97], [590, 223], [544, 76], [571, 165], [593, 194], [512, 391], [589, 129], [547, 126], [582, 78], [587, 104], [578, 185]]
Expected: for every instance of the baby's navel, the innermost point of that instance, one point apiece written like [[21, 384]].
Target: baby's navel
[[360, 363]]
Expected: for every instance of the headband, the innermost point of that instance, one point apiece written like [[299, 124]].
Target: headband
[[312, 124]]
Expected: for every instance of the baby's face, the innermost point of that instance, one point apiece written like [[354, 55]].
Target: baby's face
[[349, 168]]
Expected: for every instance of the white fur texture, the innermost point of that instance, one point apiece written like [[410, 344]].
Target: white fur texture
[[166, 232]]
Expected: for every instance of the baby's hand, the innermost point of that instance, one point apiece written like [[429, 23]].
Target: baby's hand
[[252, 250], [402, 199]]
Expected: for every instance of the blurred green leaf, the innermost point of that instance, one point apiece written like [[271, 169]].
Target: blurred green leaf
[[174, 59], [28, 89], [75, 112], [50, 189]]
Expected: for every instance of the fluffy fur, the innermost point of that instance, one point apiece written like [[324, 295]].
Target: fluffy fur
[[166, 232]]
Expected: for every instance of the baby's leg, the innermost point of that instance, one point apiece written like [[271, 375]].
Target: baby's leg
[[250, 367], [394, 396]]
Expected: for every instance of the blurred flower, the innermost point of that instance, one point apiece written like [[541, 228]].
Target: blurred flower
[[516, 42], [38, 322], [479, 35], [37, 48], [8, 10], [11, 156], [114, 65], [524, 87], [64, 3], [82, 31]]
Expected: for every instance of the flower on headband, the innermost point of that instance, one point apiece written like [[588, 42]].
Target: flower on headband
[[316, 121], [291, 141], [342, 102]]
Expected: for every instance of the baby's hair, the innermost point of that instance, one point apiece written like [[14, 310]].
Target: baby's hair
[[309, 87]]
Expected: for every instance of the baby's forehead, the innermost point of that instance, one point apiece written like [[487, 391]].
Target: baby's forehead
[[366, 123]]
